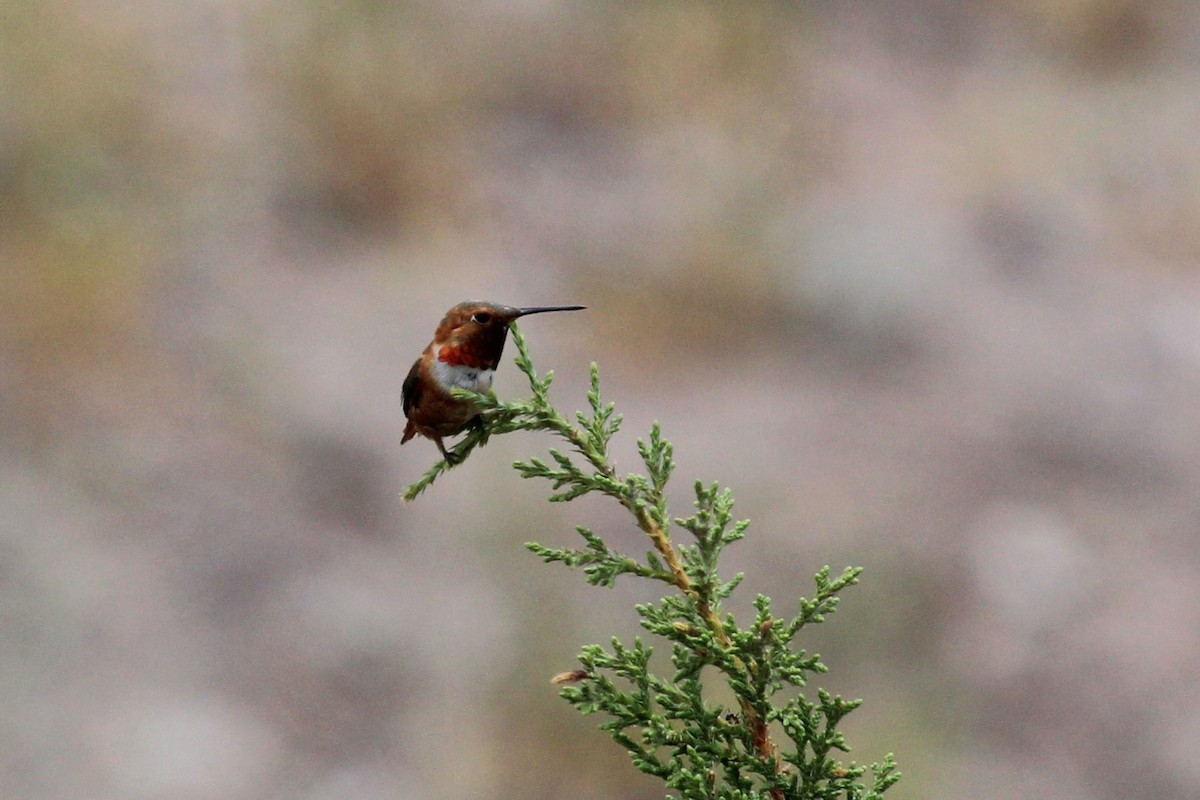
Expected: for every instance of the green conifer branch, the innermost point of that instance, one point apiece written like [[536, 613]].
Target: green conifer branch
[[700, 749]]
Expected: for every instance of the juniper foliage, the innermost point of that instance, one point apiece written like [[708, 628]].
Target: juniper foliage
[[701, 749]]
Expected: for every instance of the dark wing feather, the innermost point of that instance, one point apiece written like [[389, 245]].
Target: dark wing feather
[[411, 391]]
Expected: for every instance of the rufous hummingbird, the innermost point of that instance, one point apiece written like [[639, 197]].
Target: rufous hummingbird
[[465, 350]]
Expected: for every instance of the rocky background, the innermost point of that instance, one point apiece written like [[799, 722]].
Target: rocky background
[[917, 279]]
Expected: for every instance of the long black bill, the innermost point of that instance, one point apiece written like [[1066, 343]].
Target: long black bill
[[543, 309]]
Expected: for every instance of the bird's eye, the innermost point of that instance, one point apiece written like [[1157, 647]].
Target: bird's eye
[[482, 317]]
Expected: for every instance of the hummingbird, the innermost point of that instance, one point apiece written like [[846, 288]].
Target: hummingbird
[[465, 350]]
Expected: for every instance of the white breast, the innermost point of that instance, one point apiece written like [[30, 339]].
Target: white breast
[[450, 376]]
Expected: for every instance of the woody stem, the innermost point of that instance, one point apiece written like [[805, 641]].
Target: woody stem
[[661, 540], [759, 732], [662, 543]]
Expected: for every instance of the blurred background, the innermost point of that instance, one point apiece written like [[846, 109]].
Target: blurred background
[[917, 279]]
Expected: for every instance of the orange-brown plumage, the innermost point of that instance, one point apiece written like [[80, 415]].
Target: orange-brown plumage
[[465, 350]]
